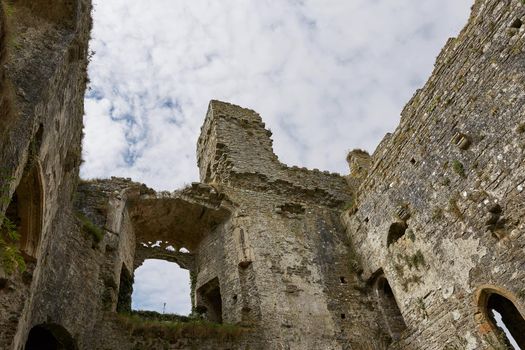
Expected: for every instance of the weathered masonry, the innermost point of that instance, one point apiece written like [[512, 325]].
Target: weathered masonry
[[420, 246]]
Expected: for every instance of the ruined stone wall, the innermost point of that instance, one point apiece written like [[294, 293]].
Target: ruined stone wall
[[41, 133], [296, 272], [105, 203], [13, 290], [280, 259], [117, 334], [210, 263], [452, 175], [435, 218], [100, 208], [302, 280]]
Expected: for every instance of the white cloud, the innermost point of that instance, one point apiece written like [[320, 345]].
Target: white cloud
[[326, 76], [105, 138]]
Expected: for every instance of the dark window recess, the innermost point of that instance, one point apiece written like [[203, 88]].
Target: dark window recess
[[342, 279], [395, 232], [413, 161], [209, 301], [500, 307], [36, 143], [343, 316], [517, 23], [461, 140]]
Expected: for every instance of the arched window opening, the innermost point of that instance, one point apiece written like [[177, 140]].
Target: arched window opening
[[161, 286], [209, 301], [49, 336], [395, 232], [505, 317], [394, 322], [26, 211]]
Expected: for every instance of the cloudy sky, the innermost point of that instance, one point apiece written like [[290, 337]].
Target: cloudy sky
[[158, 282], [327, 76]]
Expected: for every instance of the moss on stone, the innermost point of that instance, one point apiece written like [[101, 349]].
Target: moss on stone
[[437, 213]]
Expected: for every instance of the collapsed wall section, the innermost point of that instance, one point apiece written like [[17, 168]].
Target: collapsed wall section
[[235, 149], [158, 225]]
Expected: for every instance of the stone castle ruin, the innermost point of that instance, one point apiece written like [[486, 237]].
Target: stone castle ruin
[[420, 246]]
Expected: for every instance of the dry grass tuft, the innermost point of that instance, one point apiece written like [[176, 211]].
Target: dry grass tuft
[[173, 330]]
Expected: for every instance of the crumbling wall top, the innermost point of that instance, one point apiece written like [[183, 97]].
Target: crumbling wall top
[[235, 149]]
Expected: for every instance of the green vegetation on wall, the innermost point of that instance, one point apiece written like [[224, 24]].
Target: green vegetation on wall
[[88, 226], [10, 256], [172, 330]]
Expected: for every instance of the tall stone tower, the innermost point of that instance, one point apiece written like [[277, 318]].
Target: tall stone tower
[[293, 266]]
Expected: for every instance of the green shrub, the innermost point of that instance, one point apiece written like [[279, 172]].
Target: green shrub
[[458, 168], [416, 260], [9, 9], [11, 258], [349, 205], [88, 226]]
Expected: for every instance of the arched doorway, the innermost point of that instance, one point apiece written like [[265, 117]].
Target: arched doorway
[[393, 320], [49, 336], [503, 316]]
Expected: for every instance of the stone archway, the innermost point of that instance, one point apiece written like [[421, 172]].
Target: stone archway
[[49, 336], [503, 315]]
